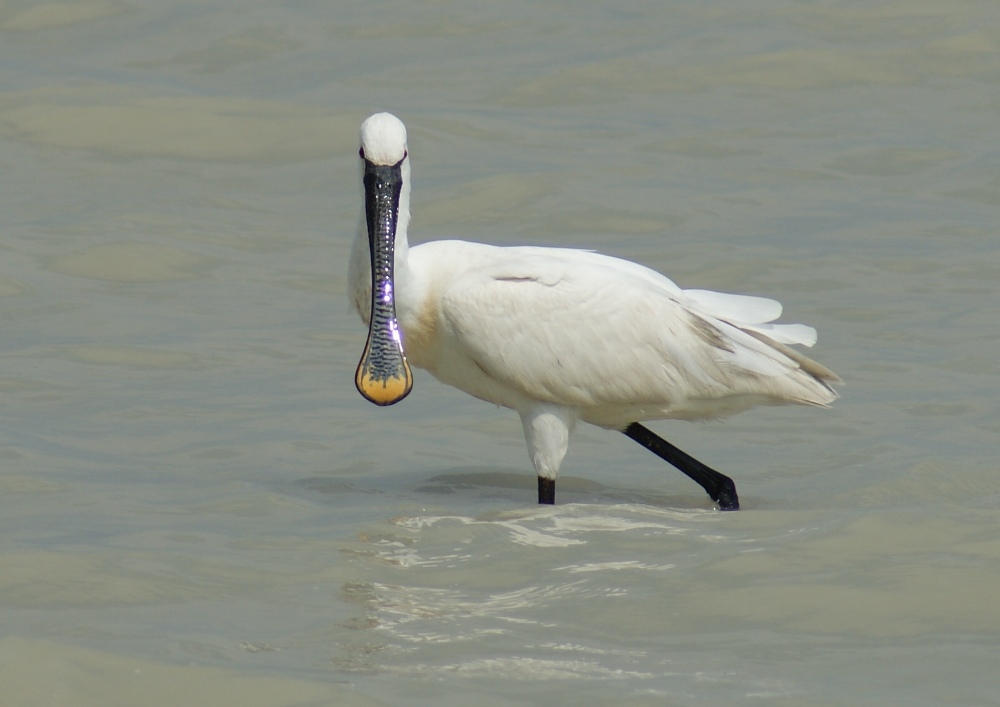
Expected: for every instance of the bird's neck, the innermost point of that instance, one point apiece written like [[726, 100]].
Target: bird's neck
[[359, 269], [402, 245]]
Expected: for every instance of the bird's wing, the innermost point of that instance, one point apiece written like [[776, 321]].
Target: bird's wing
[[581, 331], [743, 311], [750, 313]]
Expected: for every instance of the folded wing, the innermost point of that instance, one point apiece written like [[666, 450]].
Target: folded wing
[[587, 330]]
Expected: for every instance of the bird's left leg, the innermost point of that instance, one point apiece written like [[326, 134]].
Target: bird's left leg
[[720, 487], [546, 430]]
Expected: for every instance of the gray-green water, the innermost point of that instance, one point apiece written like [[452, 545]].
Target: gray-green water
[[196, 506]]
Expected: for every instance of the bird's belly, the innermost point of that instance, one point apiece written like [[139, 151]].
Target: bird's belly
[[619, 416]]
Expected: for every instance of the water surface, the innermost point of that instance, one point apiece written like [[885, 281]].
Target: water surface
[[195, 503]]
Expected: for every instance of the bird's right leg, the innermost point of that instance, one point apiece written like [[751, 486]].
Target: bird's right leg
[[546, 491], [546, 430], [720, 487]]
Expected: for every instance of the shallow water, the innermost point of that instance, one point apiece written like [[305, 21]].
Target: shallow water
[[196, 505]]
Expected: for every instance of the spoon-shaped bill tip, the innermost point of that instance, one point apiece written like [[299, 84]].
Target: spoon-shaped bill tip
[[383, 380]]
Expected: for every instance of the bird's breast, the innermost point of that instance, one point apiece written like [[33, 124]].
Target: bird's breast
[[420, 324]]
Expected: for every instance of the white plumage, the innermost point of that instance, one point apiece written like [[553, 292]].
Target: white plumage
[[561, 335]]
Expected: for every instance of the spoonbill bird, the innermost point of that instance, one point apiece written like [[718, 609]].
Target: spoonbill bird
[[559, 334]]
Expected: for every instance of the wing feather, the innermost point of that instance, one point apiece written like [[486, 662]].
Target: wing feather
[[578, 331]]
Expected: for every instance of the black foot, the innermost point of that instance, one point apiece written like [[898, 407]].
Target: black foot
[[546, 491], [728, 500], [719, 487]]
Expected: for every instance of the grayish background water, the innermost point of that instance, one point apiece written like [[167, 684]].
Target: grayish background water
[[197, 507]]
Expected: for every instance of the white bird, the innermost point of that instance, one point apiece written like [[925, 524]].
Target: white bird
[[560, 335]]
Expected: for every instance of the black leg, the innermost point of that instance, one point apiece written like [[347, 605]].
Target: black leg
[[546, 491], [719, 486]]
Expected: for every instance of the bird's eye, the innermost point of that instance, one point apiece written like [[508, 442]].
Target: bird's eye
[[361, 152]]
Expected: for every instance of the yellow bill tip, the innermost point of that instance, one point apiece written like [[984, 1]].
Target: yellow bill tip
[[384, 391]]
